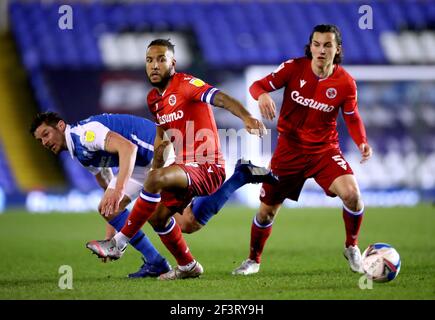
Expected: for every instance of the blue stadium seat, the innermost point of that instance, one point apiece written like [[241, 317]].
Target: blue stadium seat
[[7, 180], [252, 32]]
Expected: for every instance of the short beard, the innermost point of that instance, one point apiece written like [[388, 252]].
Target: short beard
[[162, 83]]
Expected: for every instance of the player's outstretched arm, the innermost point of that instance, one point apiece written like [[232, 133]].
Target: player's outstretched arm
[[252, 125], [126, 150]]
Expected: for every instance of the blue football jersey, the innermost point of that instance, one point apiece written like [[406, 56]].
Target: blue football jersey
[[85, 139]]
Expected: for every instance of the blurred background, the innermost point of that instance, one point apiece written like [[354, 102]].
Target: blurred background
[[94, 63]]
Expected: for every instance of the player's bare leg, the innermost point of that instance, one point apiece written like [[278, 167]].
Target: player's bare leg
[[203, 208], [347, 189], [260, 231], [187, 221]]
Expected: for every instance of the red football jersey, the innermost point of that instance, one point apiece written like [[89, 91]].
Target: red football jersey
[[308, 117], [184, 112]]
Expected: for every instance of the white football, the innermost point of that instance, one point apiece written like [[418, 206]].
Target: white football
[[381, 262]]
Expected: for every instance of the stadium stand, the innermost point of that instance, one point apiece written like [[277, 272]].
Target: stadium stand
[[230, 34], [98, 65]]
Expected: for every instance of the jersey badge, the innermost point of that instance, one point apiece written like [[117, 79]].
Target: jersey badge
[[331, 93], [89, 136], [197, 82], [172, 100], [302, 82]]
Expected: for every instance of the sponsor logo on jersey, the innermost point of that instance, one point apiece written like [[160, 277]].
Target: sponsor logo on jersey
[[310, 102], [197, 82], [172, 100], [331, 93], [89, 136], [166, 118]]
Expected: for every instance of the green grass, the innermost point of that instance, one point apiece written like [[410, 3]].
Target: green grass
[[303, 258]]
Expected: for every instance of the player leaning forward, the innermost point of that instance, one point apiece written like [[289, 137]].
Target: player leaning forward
[[101, 143], [316, 89], [180, 104]]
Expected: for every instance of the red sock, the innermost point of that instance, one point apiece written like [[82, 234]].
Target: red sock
[[352, 224], [175, 243], [143, 209], [259, 236]]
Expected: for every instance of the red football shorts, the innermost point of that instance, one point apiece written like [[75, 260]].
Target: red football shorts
[[294, 168], [204, 179]]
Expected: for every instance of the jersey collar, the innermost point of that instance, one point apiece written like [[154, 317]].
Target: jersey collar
[[69, 142]]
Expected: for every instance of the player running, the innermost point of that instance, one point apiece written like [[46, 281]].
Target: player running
[[100, 143], [180, 104], [316, 89]]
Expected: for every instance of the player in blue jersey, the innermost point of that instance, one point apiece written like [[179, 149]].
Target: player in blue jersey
[[100, 143]]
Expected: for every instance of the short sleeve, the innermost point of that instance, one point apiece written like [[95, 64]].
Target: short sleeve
[[93, 135], [198, 90]]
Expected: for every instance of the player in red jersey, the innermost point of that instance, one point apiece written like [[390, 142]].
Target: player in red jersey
[[180, 104], [316, 89]]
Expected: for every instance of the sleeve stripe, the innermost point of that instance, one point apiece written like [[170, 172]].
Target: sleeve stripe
[[148, 198], [350, 112], [204, 94], [212, 96], [271, 84], [208, 95]]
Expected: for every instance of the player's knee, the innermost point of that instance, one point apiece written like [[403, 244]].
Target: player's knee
[[123, 204], [265, 216], [158, 223], [155, 181], [351, 197]]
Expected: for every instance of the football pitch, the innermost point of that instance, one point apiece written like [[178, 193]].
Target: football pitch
[[302, 260]]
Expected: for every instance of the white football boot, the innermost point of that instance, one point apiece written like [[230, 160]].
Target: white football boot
[[177, 273], [247, 267], [353, 255]]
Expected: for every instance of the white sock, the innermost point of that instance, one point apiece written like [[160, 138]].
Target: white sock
[[188, 266], [121, 240]]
